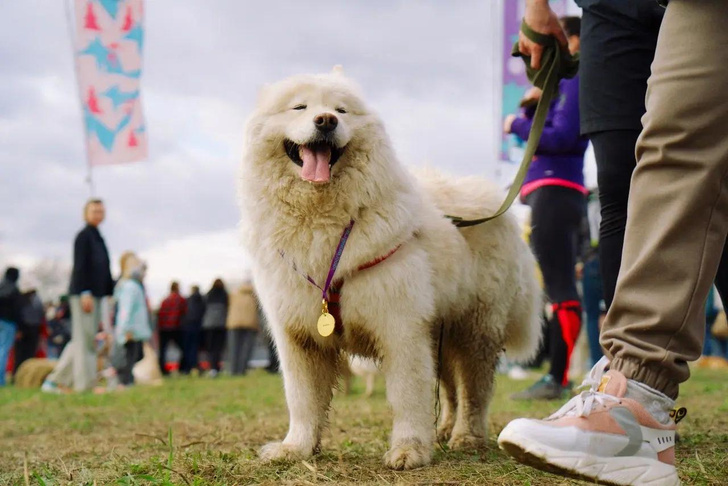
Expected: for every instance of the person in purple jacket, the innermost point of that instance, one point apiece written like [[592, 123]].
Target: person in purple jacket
[[554, 189]]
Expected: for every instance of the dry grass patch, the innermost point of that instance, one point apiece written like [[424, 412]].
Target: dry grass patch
[[207, 432]]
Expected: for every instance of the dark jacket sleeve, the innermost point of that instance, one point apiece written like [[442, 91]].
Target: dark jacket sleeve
[[81, 263], [561, 132]]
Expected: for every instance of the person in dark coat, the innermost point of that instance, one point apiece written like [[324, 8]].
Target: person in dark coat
[[33, 316], [90, 283], [213, 323], [192, 330], [11, 305]]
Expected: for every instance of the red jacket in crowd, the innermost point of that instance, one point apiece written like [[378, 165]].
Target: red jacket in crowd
[[172, 311]]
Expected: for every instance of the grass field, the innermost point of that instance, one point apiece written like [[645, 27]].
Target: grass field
[[202, 431]]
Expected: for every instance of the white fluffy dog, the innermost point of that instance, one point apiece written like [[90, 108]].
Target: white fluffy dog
[[315, 159]]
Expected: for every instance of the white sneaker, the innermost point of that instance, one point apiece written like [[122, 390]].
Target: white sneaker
[[50, 387], [599, 435]]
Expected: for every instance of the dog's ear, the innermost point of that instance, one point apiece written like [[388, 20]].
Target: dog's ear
[[338, 70]]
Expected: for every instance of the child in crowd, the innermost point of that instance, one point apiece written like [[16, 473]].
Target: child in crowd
[[132, 324]]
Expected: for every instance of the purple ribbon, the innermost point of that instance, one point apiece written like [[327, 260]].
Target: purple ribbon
[[334, 262]]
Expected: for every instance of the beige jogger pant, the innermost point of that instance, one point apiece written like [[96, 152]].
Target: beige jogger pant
[[76, 366], [678, 203]]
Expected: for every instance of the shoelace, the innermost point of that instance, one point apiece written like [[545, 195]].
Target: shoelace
[[582, 404]]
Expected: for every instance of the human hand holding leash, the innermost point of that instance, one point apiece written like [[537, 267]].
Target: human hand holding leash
[[543, 20]]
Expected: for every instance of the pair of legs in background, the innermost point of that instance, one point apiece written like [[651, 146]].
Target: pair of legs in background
[[215, 344], [167, 336], [673, 245], [556, 218], [191, 340], [77, 367], [124, 358], [240, 348]]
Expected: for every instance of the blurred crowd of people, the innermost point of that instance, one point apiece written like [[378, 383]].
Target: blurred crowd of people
[[28, 327], [103, 328]]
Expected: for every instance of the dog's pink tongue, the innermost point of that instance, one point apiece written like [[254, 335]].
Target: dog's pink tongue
[[316, 164]]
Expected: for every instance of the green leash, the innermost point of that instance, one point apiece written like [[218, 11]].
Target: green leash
[[556, 63]]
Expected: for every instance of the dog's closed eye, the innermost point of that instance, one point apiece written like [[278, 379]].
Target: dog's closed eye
[[341, 110], [299, 107]]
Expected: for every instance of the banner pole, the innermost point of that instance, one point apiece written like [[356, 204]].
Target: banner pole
[[70, 22], [90, 180]]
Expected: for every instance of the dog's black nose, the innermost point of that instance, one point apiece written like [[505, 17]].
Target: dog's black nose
[[325, 122]]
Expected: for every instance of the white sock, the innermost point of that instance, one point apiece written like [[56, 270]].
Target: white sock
[[656, 403]]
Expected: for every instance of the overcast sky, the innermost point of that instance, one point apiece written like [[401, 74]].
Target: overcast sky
[[428, 68]]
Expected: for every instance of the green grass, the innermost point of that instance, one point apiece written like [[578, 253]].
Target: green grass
[[200, 432]]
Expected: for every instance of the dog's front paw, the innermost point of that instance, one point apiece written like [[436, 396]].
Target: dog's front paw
[[278, 451], [462, 442], [444, 431], [408, 454]]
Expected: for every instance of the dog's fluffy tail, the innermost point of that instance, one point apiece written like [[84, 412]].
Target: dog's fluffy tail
[[523, 331]]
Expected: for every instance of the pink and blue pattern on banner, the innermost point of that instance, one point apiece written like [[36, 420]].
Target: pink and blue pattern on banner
[[515, 82], [108, 41]]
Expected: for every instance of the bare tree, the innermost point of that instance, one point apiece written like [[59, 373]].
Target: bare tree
[[49, 276]]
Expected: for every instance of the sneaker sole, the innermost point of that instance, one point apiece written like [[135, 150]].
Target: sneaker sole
[[612, 471]]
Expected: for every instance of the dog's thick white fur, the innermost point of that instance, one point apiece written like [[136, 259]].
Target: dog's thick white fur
[[479, 283]]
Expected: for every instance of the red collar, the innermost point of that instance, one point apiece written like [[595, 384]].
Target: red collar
[[380, 259]]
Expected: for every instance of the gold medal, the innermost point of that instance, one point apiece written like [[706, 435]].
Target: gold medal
[[326, 322]]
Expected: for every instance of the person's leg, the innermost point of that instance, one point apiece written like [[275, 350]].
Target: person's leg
[[556, 214], [708, 340], [218, 344], [246, 351], [678, 209], [222, 336], [721, 278], [234, 342], [134, 353], [124, 370], [617, 48], [62, 374], [274, 364], [195, 343], [592, 297], [177, 338], [614, 153], [22, 350], [163, 343], [7, 338], [722, 345], [27, 347], [186, 363], [207, 341], [84, 343], [35, 344]]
